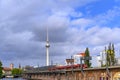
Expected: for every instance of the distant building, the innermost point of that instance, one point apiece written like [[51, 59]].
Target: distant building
[[96, 62], [19, 66], [69, 61], [7, 70], [118, 61], [77, 57], [28, 67], [11, 65], [103, 57]]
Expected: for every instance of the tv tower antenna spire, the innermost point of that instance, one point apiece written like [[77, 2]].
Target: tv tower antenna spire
[[47, 48]]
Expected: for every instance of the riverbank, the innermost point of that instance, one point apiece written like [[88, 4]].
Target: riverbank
[[11, 76]]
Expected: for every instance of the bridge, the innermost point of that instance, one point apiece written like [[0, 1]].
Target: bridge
[[100, 73]]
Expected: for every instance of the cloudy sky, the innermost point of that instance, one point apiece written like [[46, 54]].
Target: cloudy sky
[[73, 26]]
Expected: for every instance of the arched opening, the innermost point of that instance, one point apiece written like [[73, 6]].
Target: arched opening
[[117, 76], [103, 76]]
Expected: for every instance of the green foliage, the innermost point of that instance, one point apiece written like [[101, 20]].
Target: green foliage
[[104, 65], [110, 55], [1, 69], [87, 54], [16, 71]]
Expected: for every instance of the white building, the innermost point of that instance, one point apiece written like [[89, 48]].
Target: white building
[[118, 61], [77, 58], [103, 58], [96, 61]]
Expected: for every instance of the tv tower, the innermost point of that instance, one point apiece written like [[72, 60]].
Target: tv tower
[[47, 49]]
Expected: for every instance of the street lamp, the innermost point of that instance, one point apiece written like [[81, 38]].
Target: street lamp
[[83, 58]]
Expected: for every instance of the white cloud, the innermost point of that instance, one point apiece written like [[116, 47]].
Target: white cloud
[[23, 22], [108, 16], [57, 21], [82, 22], [96, 35]]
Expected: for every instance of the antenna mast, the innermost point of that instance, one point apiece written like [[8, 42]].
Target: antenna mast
[[47, 48]]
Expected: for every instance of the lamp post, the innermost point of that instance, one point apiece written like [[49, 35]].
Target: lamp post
[[81, 65]]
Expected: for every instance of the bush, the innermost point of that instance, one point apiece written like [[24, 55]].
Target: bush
[[16, 71]]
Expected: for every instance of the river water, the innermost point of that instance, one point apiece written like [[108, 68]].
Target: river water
[[12, 79]]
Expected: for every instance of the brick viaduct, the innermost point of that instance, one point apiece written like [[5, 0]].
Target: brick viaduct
[[113, 73]]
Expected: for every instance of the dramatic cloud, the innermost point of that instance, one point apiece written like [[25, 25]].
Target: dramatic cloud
[[23, 26]]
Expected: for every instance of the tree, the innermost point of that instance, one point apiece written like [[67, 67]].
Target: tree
[[16, 71], [113, 55], [87, 54], [1, 69], [110, 55]]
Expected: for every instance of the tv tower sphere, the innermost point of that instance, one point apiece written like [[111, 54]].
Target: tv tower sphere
[[47, 44]]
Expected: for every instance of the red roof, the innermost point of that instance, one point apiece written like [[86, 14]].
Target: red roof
[[6, 69], [81, 54]]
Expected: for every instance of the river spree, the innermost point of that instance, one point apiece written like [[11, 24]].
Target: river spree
[[12, 79]]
